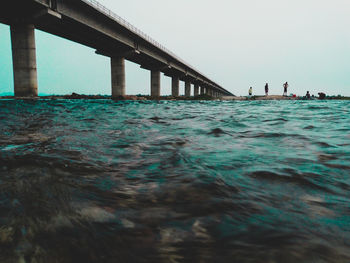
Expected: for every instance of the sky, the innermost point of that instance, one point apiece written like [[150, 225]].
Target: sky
[[237, 44]]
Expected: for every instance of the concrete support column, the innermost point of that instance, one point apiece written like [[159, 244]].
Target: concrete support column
[[196, 89], [24, 60], [175, 82], [202, 90], [155, 83], [118, 76], [187, 89]]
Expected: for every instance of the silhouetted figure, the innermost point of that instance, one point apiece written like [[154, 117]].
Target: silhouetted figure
[[285, 86], [321, 95], [267, 89], [308, 95], [250, 91]]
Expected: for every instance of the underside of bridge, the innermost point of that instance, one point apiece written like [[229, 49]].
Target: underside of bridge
[[81, 22]]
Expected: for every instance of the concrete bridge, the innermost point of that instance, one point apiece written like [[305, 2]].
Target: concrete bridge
[[89, 23]]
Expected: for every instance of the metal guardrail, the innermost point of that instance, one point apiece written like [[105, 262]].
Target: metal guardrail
[[135, 30]]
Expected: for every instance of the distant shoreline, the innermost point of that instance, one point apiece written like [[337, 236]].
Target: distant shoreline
[[279, 97], [75, 96]]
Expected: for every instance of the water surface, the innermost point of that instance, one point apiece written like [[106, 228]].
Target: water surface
[[102, 181]]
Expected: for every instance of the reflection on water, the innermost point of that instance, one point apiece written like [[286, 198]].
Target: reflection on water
[[100, 181]]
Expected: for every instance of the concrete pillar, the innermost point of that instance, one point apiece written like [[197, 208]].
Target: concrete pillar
[[187, 89], [196, 89], [155, 83], [202, 90], [175, 86], [24, 60], [118, 76]]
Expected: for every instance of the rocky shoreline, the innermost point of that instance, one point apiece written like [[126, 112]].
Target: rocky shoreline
[[75, 96]]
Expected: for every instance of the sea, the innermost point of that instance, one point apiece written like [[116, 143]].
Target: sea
[[174, 181]]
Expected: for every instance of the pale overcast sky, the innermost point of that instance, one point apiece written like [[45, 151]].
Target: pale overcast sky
[[236, 43]]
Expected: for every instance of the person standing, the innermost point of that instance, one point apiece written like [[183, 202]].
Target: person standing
[[285, 86], [267, 89], [250, 91]]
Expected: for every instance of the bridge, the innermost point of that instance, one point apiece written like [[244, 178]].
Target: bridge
[[91, 24]]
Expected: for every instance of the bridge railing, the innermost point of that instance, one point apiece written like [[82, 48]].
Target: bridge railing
[[134, 29]]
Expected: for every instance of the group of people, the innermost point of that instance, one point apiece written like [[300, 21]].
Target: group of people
[[285, 89]]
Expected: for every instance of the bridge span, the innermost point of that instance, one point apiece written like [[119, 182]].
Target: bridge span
[[89, 23]]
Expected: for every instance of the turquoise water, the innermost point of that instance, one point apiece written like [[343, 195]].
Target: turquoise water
[[103, 181]]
